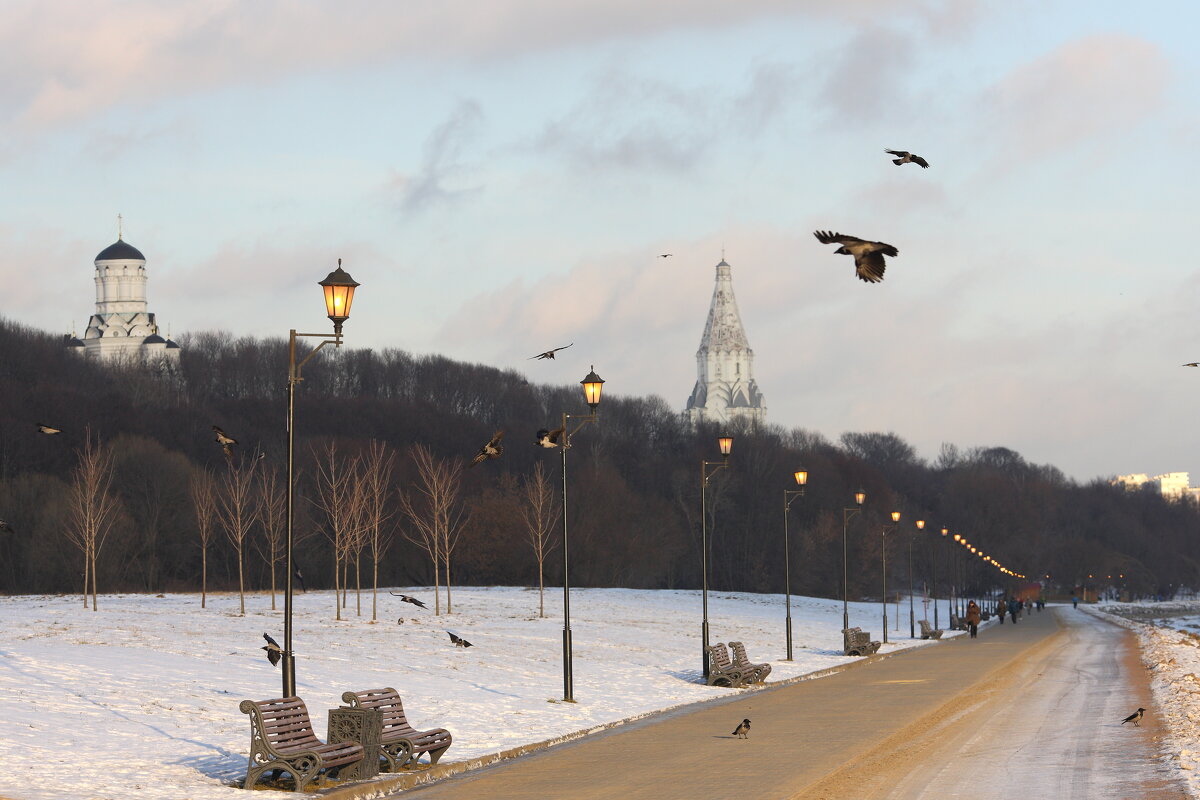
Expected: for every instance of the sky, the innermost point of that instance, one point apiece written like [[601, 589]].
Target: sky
[[502, 175]]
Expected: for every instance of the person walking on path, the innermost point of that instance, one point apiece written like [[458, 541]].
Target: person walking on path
[[1014, 608], [1000, 610], [973, 618], [1074, 601]]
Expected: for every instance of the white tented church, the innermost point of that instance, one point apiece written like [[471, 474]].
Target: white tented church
[[122, 329], [725, 388]]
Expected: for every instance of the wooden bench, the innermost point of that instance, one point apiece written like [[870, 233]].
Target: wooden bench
[[722, 671], [755, 673], [282, 738], [928, 631], [857, 642], [400, 744]]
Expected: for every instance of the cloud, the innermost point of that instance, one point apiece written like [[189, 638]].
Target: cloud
[[1082, 90], [865, 80], [442, 161], [63, 61]]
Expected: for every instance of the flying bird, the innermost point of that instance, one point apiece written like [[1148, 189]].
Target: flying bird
[[907, 158], [742, 731], [300, 577], [868, 256], [547, 438], [492, 449], [225, 440], [406, 599], [1135, 717], [665, 255], [274, 651], [4, 526], [1193, 364], [550, 353], [458, 640], [46, 429]]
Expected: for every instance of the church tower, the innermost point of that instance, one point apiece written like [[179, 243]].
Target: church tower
[[725, 387], [122, 328]]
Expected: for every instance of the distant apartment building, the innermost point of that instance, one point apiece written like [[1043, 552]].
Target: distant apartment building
[[1172, 485]]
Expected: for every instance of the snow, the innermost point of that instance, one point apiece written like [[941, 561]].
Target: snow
[[139, 699], [1170, 649]]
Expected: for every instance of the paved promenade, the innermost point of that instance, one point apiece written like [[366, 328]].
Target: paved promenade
[[898, 720]]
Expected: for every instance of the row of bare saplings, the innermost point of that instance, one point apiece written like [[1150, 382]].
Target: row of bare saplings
[[359, 508]]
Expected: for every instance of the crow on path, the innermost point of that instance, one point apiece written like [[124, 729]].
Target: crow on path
[[742, 731], [1135, 717]]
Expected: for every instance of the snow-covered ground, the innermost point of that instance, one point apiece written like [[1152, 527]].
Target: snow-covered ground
[[140, 699], [1167, 636]]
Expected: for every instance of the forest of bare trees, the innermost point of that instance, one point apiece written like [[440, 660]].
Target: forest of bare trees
[[134, 494]]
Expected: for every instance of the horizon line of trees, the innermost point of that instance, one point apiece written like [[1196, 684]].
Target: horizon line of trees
[[383, 439]]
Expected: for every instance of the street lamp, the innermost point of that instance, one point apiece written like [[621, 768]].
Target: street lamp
[[945, 533], [726, 444], [912, 625], [886, 529], [859, 497], [789, 495], [593, 386], [339, 288]]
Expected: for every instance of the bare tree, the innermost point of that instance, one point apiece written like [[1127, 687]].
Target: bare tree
[[272, 514], [335, 498], [93, 507], [238, 511], [541, 513], [376, 478], [204, 498], [435, 513]]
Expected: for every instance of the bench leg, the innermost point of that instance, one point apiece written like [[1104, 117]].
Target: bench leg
[[434, 755]]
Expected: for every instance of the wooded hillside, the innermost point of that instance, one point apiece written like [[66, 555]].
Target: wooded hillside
[[634, 482]]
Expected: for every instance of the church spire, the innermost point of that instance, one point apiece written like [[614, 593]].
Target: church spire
[[725, 387]]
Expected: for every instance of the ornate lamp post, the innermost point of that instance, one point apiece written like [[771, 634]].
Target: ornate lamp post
[[859, 498], [788, 496], [726, 444], [887, 529], [912, 625], [955, 589], [593, 386], [339, 288]]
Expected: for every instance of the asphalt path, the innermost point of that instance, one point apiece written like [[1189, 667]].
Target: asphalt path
[[1023, 710]]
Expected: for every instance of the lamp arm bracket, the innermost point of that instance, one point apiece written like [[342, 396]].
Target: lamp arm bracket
[[717, 465], [336, 341]]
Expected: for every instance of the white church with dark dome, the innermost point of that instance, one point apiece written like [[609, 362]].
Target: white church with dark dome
[[122, 329]]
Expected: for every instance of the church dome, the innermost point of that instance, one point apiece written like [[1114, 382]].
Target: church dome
[[71, 341], [154, 338], [120, 250], [171, 345]]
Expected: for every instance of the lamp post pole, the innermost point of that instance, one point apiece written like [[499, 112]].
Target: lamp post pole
[[912, 625], [339, 295], [788, 496], [886, 530], [945, 532], [725, 443], [847, 513], [593, 385]]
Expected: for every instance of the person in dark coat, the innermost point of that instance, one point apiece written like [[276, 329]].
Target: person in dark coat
[[1001, 609], [973, 618], [1014, 608]]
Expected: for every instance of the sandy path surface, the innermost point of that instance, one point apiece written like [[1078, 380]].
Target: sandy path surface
[[1031, 710]]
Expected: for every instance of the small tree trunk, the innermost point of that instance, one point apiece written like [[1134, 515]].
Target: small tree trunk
[[358, 585], [204, 577], [241, 584]]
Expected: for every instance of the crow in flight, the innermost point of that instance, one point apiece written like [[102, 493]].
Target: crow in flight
[[492, 449], [549, 353], [226, 441], [547, 438], [458, 640], [46, 429], [1193, 364], [406, 599], [274, 651], [665, 255], [868, 256], [907, 158]]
